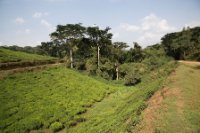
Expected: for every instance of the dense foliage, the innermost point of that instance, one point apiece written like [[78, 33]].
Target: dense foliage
[[91, 49], [183, 45]]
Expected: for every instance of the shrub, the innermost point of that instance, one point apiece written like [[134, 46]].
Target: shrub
[[102, 74], [154, 62], [128, 68], [132, 79], [91, 66], [80, 65], [56, 126], [106, 70], [194, 56]]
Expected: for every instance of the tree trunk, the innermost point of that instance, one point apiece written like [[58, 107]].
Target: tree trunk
[[184, 55], [98, 56], [117, 72], [71, 58]]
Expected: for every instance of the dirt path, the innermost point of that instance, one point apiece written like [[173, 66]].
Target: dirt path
[[165, 111], [190, 62]]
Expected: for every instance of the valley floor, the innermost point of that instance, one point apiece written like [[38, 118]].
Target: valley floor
[[176, 107]]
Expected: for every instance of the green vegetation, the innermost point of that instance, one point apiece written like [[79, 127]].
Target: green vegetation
[[7, 55], [120, 112], [37, 100], [91, 49], [184, 45], [180, 111], [58, 97], [56, 126]]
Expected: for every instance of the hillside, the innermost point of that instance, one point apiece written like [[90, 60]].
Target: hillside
[[59, 98], [42, 99], [176, 107], [7, 55]]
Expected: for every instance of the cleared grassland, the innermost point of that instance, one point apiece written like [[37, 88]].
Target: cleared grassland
[[7, 55], [61, 99], [182, 107], [178, 105]]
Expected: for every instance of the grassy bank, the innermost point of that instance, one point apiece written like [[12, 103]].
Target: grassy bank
[[7, 55], [120, 112], [37, 100]]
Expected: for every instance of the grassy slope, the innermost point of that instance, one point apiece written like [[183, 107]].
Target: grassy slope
[[37, 100], [13, 56], [180, 112], [120, 112]]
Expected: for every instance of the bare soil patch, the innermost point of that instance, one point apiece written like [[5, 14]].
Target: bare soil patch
[[190, 62]]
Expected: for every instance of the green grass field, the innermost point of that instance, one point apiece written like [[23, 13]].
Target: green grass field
[[62, 99], [7, 55]]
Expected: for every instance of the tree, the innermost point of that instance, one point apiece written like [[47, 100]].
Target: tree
[[48, 48], [138, 53], [135, 54], [99, 38], [68, 35], [182, 45], [117, 52]]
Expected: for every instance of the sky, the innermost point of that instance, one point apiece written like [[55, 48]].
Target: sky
[[29, 22]]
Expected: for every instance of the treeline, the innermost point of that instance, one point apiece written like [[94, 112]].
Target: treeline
[[91, 49], [27, 49], [184, 45]]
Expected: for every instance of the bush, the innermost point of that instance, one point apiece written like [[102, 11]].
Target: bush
[[80, 65], [91, 66], [56, 126], [155, 61], [106, 70], [194, 56], [128, 68], [132, 79]]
